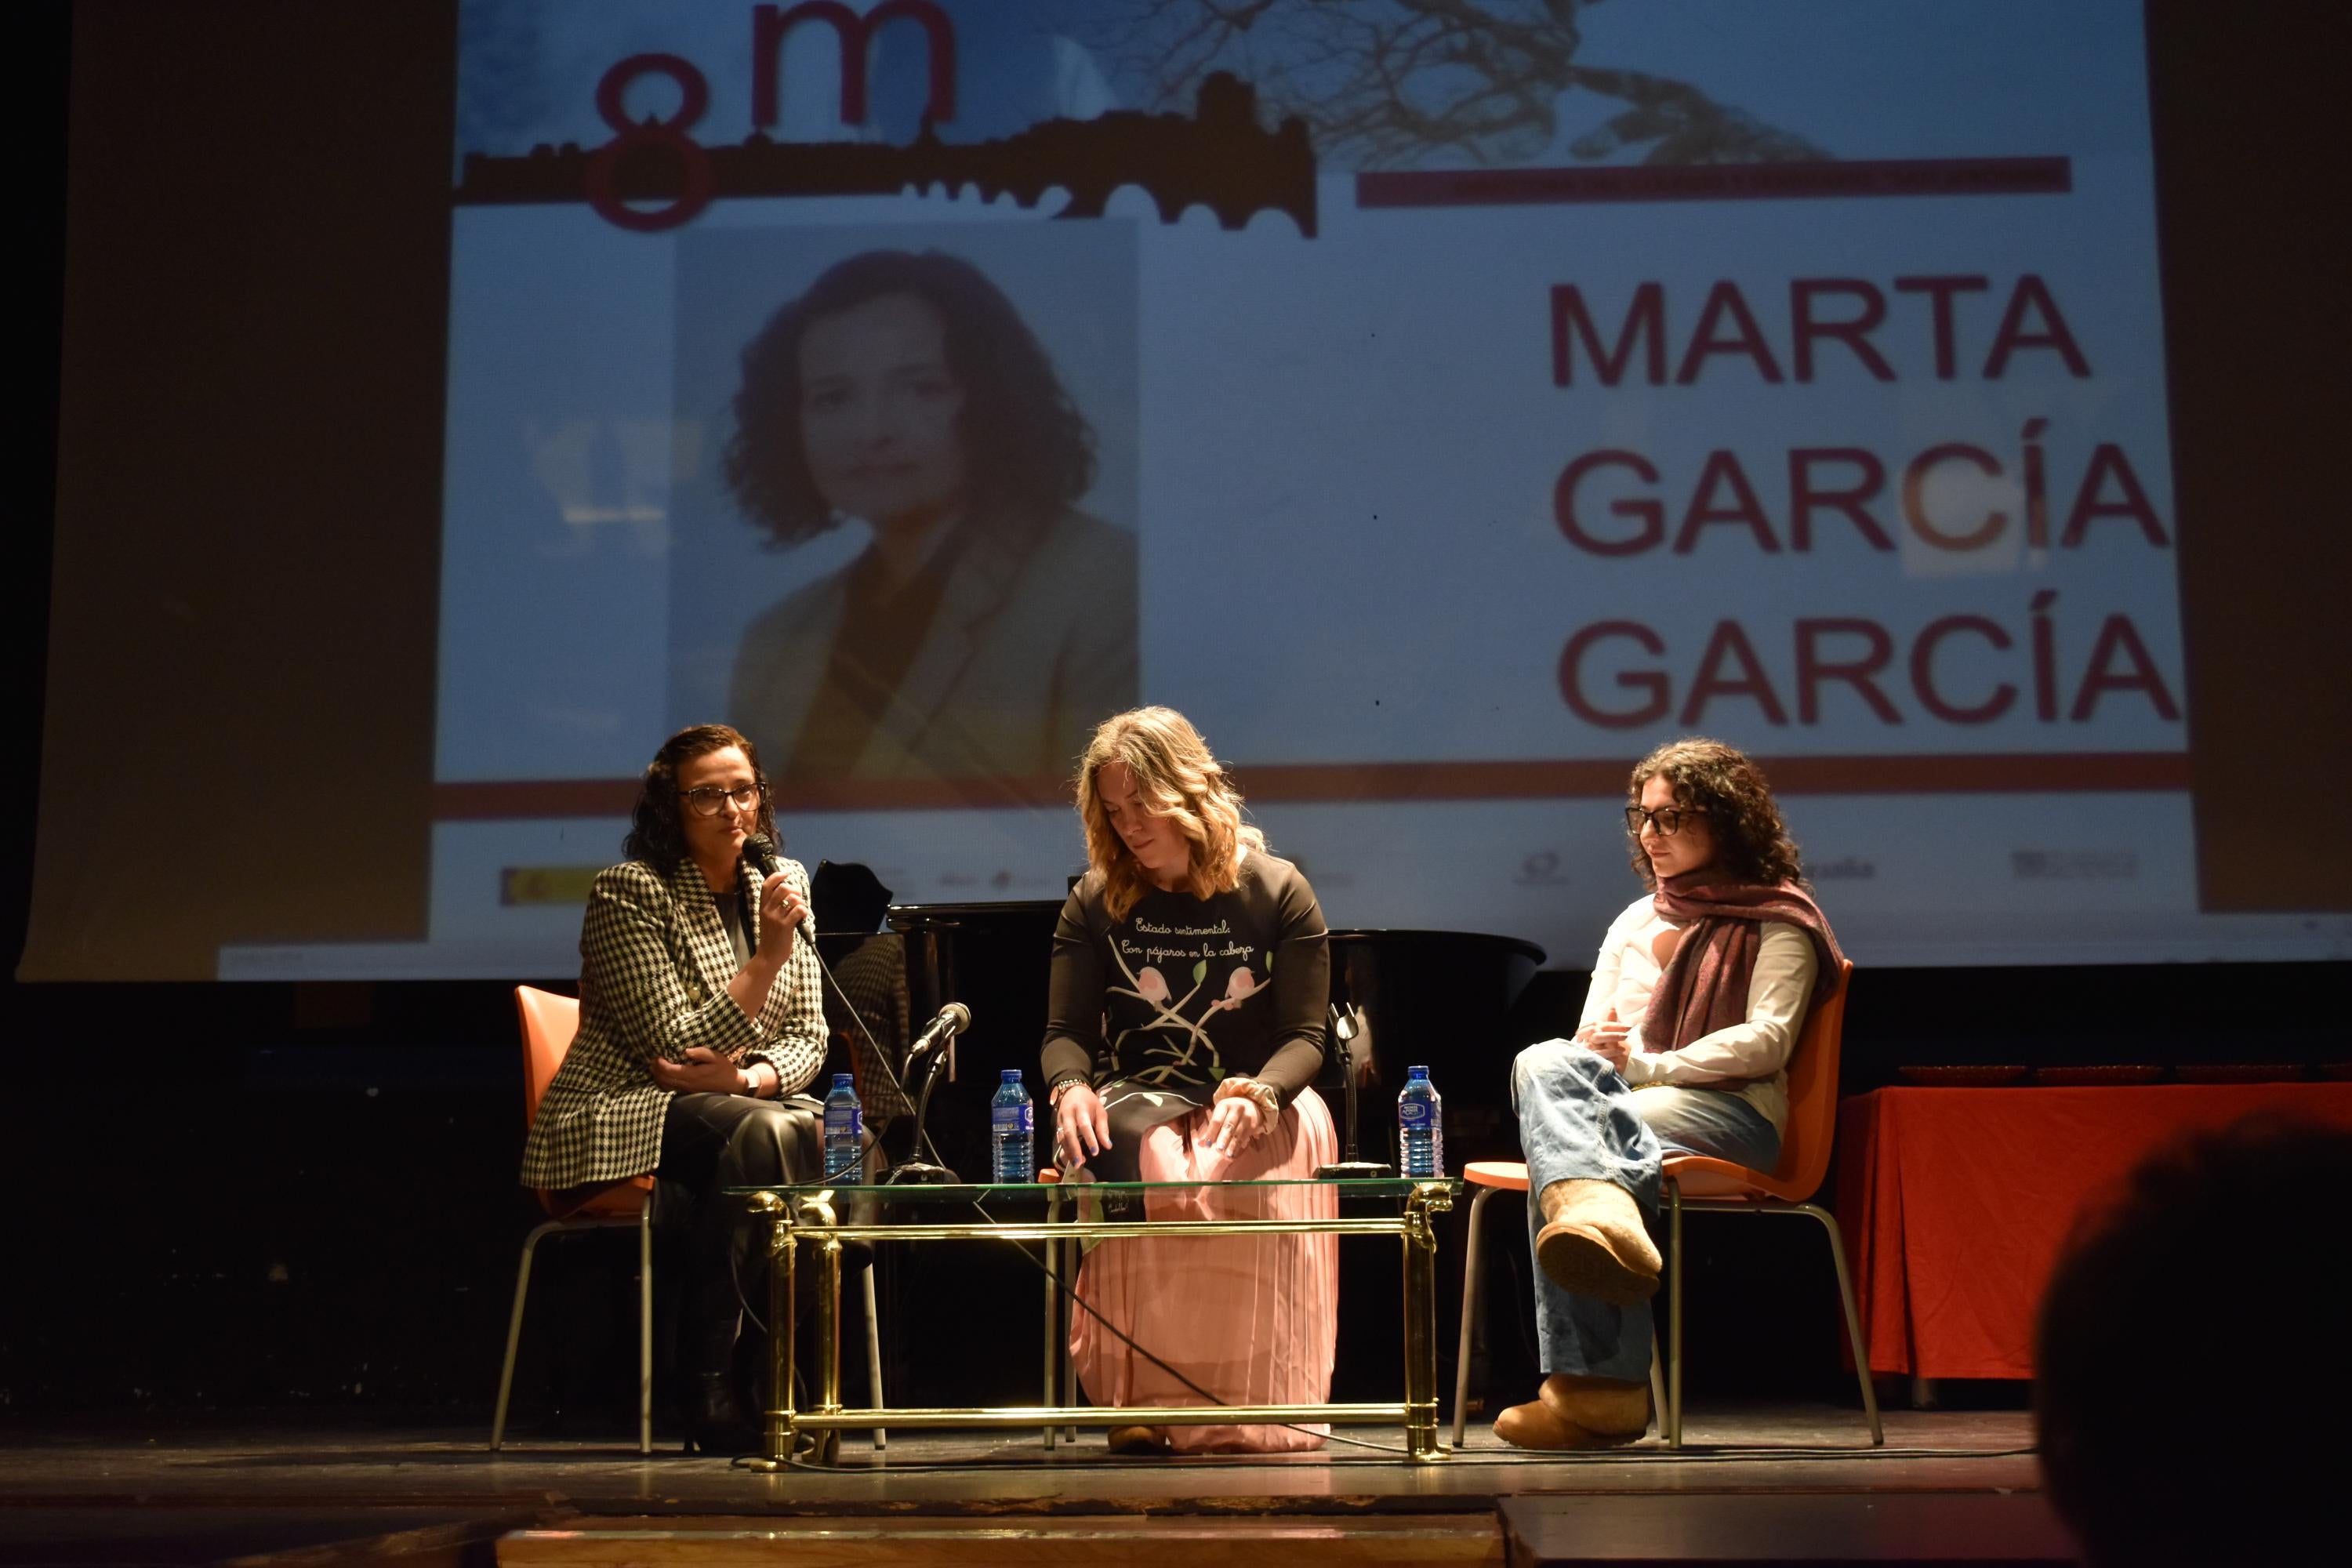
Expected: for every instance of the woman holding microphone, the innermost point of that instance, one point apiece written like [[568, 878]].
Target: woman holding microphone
[[700, 1018]]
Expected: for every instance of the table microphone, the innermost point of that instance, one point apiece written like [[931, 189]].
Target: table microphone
[[926, 1054], [953, 1020]]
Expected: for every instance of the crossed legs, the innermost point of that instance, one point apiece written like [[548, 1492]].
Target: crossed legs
[[1595, 1145]]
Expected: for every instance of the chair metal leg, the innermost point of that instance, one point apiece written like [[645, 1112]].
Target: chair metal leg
[[1053, 1319], [1854, 1334], [1062, 1258], [1657, 1380], [645, 1328], [874, 1356], [1071, 1258], [1674, 1314], [1052, 1253], [1853, 1320], [1469, 1306], [514, 1331]]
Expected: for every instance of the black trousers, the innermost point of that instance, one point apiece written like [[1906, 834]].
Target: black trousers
[[712, 1142]]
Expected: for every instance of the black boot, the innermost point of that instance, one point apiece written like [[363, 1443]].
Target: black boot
[[716, 1421]]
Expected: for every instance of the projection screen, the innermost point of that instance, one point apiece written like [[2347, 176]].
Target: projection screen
[[1440, 409]]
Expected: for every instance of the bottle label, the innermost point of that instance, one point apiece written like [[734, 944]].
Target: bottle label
[[1021, 1120], [844, 1122], [1412, 1110]]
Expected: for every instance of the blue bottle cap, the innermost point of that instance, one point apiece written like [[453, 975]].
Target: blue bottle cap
[[843, 1080], [1012, 1074], [1416, 1072]]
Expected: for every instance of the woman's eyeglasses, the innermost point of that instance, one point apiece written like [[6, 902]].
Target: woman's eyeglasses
[[1666, 819], [704, 802]]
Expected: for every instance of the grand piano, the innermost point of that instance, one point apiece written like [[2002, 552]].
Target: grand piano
[[1457, 1002]]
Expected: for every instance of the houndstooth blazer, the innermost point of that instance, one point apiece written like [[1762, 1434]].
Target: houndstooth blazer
[[655, 962]]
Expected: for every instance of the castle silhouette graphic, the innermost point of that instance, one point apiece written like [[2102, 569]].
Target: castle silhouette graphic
[[1219, 157]]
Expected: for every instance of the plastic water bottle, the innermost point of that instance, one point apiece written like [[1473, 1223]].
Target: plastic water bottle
[[1421, 1126], [844, 1131], [1012, 1130]]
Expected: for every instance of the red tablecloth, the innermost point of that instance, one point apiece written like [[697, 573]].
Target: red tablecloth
[[1955, 1201]]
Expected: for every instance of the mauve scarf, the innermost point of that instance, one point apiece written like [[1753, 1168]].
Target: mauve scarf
[[1705, 986]]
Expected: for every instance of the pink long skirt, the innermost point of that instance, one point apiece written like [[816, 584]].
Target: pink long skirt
[[1252, 1318]]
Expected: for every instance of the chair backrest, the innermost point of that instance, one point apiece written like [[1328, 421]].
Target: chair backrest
[[1813, 1094], [549, 1024]]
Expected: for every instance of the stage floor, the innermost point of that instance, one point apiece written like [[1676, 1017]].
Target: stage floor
[[255, 1493]]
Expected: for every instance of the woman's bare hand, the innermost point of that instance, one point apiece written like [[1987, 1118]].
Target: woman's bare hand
[[1237, 1118], [1081, 1125], [1605, 1039], [780, 913], [781, 910], [704, 1071]]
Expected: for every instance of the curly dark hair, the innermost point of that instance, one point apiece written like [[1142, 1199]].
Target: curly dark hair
[[1027, 449], [1751, 842], [656, 833]]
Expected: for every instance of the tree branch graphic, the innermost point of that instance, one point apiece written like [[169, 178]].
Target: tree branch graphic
[[1382, 83]]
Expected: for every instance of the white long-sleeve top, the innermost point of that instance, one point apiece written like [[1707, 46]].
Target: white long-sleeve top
[[1749, 1059]]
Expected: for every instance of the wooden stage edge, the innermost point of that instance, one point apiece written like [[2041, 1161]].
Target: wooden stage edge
[[1758, 1485]]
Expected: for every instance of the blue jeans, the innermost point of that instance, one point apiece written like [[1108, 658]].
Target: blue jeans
[[1580, 1120]]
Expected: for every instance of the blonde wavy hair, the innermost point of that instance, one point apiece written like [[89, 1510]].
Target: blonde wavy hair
[[1175, 777]]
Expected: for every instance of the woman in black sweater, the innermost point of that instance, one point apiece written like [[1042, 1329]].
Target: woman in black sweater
[[1191, 981]]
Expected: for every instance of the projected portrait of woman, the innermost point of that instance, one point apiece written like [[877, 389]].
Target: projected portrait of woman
[[988, 624]]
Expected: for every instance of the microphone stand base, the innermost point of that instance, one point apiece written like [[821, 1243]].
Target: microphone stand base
[[916, 1173], [1354, 1171]]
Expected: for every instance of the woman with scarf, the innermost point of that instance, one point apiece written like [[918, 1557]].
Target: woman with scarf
[[1698, 997]]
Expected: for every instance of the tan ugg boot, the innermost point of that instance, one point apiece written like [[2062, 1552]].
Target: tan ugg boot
[[1609, 1411], [1571, 1412], [1139, 1440], [1533, 1425], [1593, 1242]]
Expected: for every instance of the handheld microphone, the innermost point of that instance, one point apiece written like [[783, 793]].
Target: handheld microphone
[[953, 1020], [760, 850]]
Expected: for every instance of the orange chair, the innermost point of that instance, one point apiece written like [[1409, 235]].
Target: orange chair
[[1696, 1183], [549, 1024]]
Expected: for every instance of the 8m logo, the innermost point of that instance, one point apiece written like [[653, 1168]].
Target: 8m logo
[[769, 26]]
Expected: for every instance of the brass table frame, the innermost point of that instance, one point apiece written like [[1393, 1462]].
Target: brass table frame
[[795, 1216]]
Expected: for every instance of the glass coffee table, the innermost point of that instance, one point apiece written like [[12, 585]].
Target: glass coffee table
[[1061, 1216]]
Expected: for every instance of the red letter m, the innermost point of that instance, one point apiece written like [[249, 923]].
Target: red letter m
[[768, 26], [1645, 321]]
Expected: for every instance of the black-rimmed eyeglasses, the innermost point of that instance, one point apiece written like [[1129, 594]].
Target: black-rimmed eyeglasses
[[704, 802], [1666, 819]]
